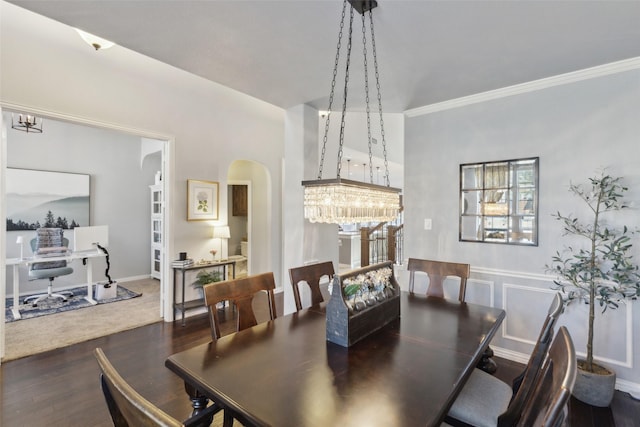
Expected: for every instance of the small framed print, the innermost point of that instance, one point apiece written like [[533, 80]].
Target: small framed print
[[202, 200]]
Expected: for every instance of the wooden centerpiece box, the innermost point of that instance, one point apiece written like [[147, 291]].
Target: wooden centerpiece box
[[362, 301]]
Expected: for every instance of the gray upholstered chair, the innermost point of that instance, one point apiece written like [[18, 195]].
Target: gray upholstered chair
[[487, 401], [48, 242]]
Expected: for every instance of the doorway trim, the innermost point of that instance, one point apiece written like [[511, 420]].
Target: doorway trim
[[249, 215], [168, 170]]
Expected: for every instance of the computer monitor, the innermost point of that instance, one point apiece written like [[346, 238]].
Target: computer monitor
[[85, 238]]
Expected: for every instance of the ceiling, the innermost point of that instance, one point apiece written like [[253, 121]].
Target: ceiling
[[283, 51]]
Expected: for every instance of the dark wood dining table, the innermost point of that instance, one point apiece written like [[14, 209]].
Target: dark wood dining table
[[284, 373]]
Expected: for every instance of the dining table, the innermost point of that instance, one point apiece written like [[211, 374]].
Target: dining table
[[284, 372]]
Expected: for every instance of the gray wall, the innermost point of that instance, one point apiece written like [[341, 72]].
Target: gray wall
[[119, 193], [575, 129]]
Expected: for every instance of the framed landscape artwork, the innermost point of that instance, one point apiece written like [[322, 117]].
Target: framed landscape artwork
[[46, 199], [202, 200]]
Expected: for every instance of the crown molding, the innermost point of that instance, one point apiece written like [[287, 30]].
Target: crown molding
[[561, 79]]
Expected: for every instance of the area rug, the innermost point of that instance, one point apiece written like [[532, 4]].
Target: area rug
[[56, 305], [40, 334]]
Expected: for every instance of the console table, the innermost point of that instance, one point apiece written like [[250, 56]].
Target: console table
[[188, 305]]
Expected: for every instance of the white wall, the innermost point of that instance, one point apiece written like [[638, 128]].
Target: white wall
[[211, 125], [575, 128]]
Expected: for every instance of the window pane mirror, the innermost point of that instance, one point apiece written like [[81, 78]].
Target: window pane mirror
[[499, 202]]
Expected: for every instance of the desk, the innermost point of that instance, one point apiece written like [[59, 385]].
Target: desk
[[17, 262], [184, 306], [284, 372]]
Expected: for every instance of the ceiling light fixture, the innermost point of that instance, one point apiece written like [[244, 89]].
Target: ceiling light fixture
[[344, 201], [96, 42], [26, 123]]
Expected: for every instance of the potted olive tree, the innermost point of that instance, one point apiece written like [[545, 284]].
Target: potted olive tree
[[600, 271]]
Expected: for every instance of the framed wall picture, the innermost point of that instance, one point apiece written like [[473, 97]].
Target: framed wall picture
[[38, 198], [202, 200]]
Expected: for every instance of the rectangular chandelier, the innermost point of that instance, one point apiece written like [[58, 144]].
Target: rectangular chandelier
[[343, 201]]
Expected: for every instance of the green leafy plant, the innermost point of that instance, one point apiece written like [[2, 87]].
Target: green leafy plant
[[205, 277], [603, 271]]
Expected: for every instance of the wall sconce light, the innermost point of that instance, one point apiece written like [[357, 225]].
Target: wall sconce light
[[96, 42], [19, 241], [26, 123], [221, 232]]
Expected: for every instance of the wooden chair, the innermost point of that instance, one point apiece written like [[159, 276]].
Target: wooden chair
[[311, 275], [129, 409], [241, 293], [487, 401], [437, 272], [547, 405]]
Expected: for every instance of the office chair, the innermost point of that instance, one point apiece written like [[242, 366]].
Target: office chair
[[48, 242]]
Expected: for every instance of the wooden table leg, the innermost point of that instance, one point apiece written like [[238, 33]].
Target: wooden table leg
[[199, 403]]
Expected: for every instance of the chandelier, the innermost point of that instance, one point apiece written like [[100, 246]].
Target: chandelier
[[344, 201], [26, 123]]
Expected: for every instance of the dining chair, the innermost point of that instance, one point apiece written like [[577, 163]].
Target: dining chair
[[241, 293], [438, 271], [547, 405], [487, 401], [311, 275], [129, 409]]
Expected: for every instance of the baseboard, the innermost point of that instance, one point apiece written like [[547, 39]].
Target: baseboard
[[621, 385]]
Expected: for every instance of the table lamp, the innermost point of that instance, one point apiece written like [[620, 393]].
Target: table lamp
[[221, 232], [19, 241]]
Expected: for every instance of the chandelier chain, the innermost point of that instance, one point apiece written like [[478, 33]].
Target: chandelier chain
[[333, 87], [375, 64], [345, 93], [366, 92]]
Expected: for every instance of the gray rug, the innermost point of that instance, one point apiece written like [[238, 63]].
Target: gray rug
[[57, 305], [39, 334]]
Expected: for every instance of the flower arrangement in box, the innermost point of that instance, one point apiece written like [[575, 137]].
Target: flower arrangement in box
[[367, 289]]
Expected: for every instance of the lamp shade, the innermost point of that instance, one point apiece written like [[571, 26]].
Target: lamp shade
[[221, 232], [19, 240]]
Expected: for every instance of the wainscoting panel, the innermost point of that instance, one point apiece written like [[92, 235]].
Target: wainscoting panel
[[526, 298]]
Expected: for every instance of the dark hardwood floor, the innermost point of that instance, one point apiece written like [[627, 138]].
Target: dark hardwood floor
[[61, 388]]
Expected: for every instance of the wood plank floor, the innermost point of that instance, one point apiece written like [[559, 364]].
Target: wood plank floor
[[61, 388]]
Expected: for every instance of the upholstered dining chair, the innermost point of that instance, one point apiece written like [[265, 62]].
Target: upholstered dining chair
[[48, 242], [547, 405], [438, 271], [487, 401], [129, 409], [311, 275]]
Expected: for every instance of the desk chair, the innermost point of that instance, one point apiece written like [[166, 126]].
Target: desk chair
[[48, 241], [487, 401], [129, 409], [311, 275], [240, 292]]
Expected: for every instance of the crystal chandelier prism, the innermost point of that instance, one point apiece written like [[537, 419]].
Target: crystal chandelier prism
[[344, 201]]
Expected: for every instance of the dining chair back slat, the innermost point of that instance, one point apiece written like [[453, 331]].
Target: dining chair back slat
[[438, 271], [311, 275], [547, 405], [241, 293], [523, 384]]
